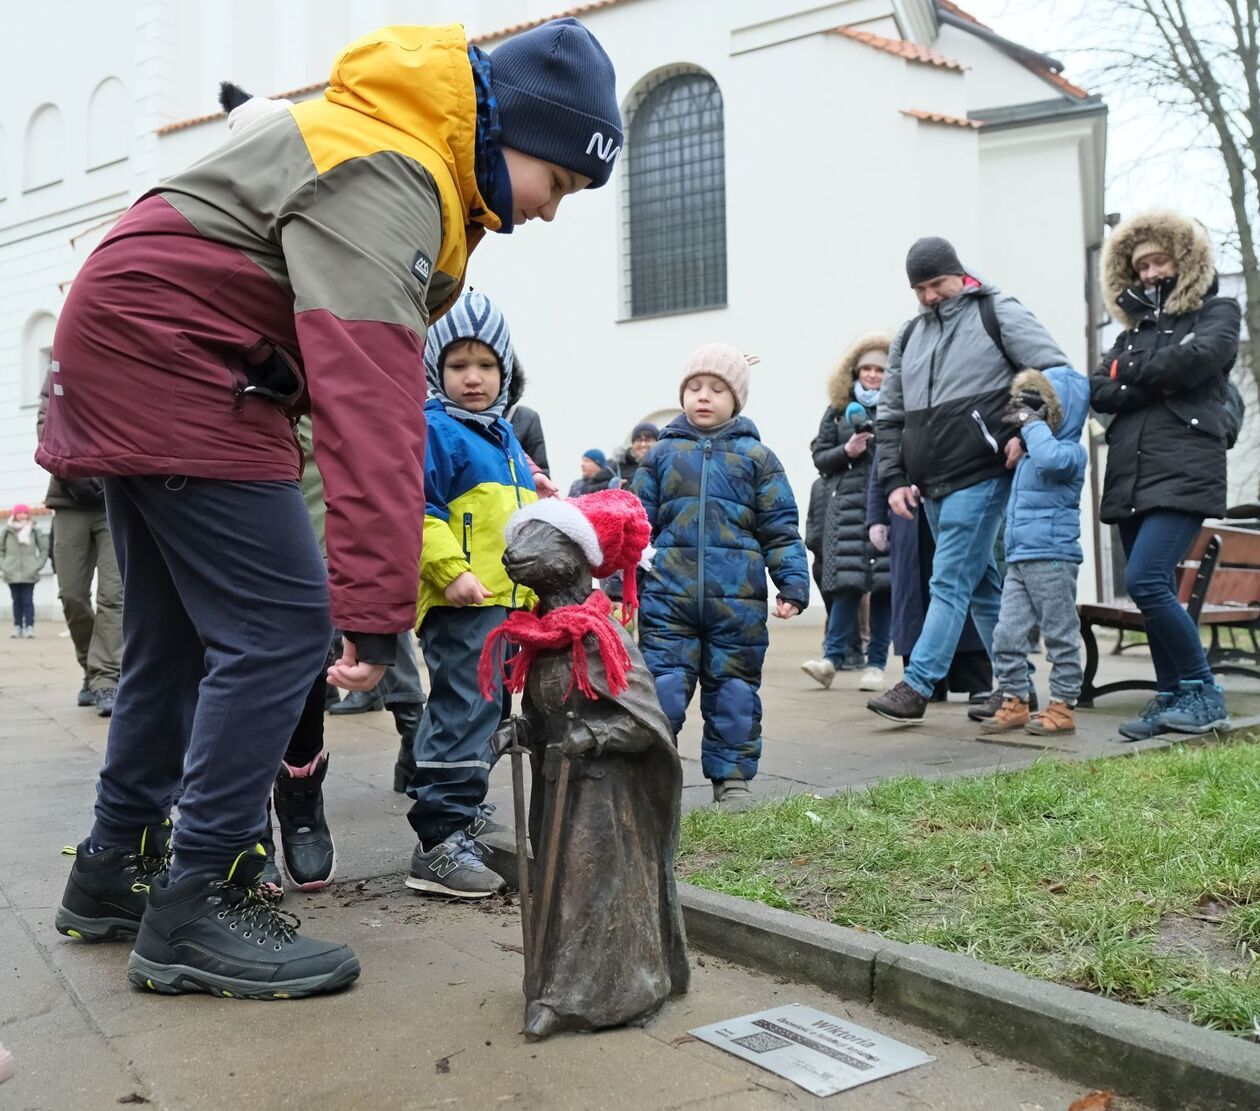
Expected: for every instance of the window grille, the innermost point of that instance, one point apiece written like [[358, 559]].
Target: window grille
[[675, 196]]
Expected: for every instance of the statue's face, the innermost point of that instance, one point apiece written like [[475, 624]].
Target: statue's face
[[544, 559]]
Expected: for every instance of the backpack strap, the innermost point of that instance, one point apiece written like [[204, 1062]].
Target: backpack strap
[[989, 318]]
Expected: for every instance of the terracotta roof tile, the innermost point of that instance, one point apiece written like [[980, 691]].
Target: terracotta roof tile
[[900, 48], [488, 36], [940, 117]]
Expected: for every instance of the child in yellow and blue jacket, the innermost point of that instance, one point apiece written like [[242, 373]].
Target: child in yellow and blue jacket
[[476, 475]]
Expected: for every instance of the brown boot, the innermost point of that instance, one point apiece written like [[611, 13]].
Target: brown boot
[[1056, 720], [1011, 715]]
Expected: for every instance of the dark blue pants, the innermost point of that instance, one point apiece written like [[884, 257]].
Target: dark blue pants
[[842, 627], [723, 647], [225, 625], [23, 595], [452, 747], [1154, 544]]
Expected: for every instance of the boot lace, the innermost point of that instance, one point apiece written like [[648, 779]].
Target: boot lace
[[148, 867], [258, 919]]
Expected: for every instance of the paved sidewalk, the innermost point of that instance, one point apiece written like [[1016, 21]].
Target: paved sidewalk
[[433, 1021]]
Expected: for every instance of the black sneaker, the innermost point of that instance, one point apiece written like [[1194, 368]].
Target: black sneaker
[[106, 892], [993, 704], [310, 857], [105, 701], [221, 935], [902, 704], [359, 702]]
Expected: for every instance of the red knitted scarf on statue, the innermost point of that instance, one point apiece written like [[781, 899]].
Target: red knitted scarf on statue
[[562, 628]]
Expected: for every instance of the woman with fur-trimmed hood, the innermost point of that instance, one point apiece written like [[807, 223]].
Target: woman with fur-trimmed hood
[[851, 565], [1165, 380]]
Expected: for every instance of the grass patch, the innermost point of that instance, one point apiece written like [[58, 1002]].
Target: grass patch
[[1137, 878]]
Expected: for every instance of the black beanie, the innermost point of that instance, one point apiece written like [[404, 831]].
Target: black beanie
[[930, 257], [557, 95]]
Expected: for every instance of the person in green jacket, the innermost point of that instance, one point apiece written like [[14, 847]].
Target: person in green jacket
[[23, 553]]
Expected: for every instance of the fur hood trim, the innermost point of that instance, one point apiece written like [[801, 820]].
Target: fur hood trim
[[1182, 238], [1035, 380], [840, 384]]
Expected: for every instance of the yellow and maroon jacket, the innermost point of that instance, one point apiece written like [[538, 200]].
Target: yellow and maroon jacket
[[294, 269]]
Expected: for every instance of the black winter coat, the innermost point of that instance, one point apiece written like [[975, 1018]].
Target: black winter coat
[[527, 425], [850, 561], [1166, 444]]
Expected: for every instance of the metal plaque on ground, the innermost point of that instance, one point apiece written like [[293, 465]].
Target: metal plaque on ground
[[821, 1053]]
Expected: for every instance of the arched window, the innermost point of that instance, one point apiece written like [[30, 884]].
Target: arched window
[[675, 195], [37, 341], [108, 124], [45, 145]]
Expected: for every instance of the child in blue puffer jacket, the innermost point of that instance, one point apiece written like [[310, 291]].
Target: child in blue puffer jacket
[[722, 515], [1043, 551]]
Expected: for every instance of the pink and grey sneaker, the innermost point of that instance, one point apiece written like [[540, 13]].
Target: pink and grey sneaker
[[7, 1065], [310, 857]]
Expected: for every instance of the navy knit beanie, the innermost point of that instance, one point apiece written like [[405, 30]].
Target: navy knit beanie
[[557, 95], [596, 456]]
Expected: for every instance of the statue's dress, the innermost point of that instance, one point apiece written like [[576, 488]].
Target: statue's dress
[[615, 946]]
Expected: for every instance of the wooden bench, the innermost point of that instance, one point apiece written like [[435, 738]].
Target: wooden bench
[[1219, 584]]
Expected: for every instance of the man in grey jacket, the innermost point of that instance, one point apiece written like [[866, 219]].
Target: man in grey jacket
[[942, 442]]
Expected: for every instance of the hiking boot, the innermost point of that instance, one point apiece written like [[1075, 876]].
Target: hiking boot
[[732, 794], [902, 704], [993, 704], [359, 702], [1056, 720], [821, 671], [1150, 722], [86, 697], [271, 881], [1199, 709], [1011, 715], [106, 892], [407, 721], [453, 867], [219, 934], [872, 679], [104, 699], [310, 857]]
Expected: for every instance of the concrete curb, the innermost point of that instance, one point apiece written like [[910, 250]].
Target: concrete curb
[[1167, 1063]]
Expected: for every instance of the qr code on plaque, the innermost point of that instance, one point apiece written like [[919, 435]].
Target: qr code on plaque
[[761, 1043]]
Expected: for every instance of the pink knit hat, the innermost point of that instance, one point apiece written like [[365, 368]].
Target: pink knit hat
[[21, 507], [722, 361]]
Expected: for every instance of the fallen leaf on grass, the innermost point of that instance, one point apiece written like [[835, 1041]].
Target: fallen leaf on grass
[[1210, 910], [801, 861], [1055, 887], [1095, 1101]]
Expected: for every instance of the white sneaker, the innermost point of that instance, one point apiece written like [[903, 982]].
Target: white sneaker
[[821, 671], [872, 679], [7, 1065]]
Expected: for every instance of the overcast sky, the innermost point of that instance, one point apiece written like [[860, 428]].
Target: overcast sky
[[1150, 162]]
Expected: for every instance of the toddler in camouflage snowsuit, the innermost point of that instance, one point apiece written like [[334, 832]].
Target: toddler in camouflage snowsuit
[[722, 515]]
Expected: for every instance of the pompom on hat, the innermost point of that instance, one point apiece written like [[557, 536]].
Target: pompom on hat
[[722, 361], [609, 526]]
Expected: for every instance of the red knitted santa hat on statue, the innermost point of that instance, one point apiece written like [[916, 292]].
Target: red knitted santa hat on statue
[[609, 526]]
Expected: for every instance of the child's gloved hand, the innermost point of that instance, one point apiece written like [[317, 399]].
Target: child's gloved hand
[[879, 537], [1020, 415], [785, 609], [466, 590]]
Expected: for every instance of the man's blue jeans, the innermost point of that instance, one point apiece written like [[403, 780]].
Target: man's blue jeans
[[964, 576]]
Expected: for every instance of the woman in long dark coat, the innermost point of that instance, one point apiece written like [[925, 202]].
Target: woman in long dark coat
[[1166, 380], [852, 567]]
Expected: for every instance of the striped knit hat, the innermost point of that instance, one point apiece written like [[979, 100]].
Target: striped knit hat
[[473, 316]]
